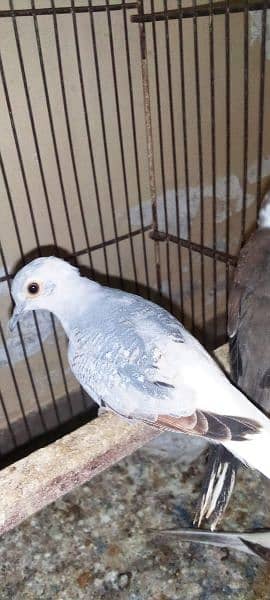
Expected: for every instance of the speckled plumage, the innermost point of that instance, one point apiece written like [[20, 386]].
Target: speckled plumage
[[136, 359], [115, 351]]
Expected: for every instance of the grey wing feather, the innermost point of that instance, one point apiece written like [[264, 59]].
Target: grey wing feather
[[116, 356]]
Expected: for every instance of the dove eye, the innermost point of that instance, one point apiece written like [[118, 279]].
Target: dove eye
[[33, 288]]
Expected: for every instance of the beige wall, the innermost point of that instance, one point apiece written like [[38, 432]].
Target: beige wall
[[83, 163]]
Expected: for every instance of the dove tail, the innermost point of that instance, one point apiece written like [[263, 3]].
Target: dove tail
[[217, 487], [221, 539]]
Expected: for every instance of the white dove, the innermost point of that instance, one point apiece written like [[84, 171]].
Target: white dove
[[136, 359]]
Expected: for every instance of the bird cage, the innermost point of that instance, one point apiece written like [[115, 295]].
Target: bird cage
[[135, 144]]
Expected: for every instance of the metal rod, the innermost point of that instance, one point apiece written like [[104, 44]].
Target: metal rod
[[161, 153], [99, 246], [16, 385], [189, 12], [69, 134], [28, 365], [149, 140], [200, 156], [104, 137], [29, 201], [89, 139], [11, 432], [60, 176], [135, 144], [71, 148], [186, 156], [245, 124], [261, 104], [175, 175], [213, 158], [121, 142], [228, 141], [66, 10], [210, 252], [161, 237], [48, 207]]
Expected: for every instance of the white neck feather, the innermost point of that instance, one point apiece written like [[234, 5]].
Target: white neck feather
[[74, 302], [264, 214]]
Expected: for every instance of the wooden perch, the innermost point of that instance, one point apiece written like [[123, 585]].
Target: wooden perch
[[47, 474]]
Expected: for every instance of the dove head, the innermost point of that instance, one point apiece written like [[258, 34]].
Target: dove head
[[264, 213], [49, 284]]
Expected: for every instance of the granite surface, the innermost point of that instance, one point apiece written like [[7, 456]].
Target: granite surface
[[94, 543]]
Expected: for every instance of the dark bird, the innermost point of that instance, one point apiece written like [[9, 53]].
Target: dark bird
[[249, 340]]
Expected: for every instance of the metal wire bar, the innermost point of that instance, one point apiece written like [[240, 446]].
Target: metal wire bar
[[161, 153], [176, 190], [65, 10], [149, 141], [16, 385], [210, 252], [32, 121], [68, 128], [11, 432], [161, 236], [122, 151], [261, 104], [228, 140], [47, 201], [200, 156], [135, 144], [105, 144], [213, 159], [71, 148], [245, 125], [52, 129], [33, 224], [99, 246], [186, 158], [60, 175], [202, 10], [89, 139], [34, 315], [27, 428]]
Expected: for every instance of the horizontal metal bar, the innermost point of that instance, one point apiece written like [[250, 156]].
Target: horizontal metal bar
[[64, 10], [120, 238], [99, 246], [203, 10], [205, 250]]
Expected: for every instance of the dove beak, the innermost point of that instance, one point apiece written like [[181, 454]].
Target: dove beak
[[18, 310]]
